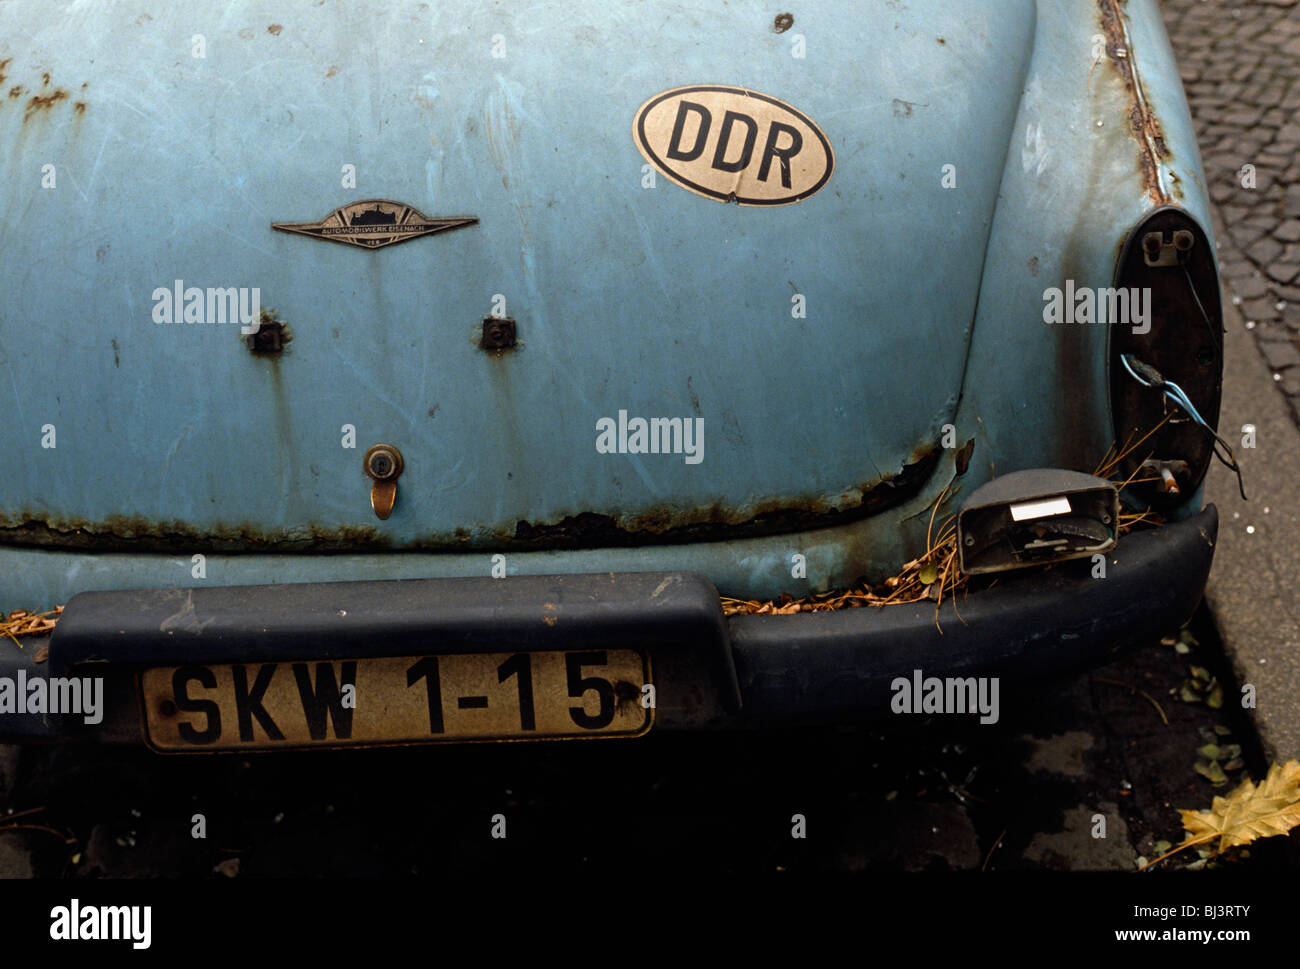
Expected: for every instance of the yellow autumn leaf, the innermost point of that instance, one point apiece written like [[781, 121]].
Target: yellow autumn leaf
[[1249, 812]]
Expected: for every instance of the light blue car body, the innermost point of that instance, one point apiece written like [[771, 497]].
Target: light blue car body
[[983, 153]]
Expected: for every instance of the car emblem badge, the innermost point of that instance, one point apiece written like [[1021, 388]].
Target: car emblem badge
[[373, 224], [733, 144]]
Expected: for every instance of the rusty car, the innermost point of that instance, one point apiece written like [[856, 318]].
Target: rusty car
[[429, 373]]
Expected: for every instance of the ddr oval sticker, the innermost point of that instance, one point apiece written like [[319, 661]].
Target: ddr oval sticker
[[734, 145]]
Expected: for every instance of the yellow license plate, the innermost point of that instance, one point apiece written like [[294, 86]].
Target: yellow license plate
[[397, 700]]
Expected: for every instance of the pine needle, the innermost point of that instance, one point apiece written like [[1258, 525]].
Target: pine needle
[[21, 622]]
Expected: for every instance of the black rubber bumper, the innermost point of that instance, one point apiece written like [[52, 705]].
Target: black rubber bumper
[[1030, 623], [709, 671]]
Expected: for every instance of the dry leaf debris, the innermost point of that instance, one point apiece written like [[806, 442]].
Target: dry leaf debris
[[22, 622], [935, 574], [1252, 811]]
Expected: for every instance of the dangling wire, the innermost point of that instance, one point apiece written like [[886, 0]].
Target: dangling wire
[[1149, 376], [1215, 338]]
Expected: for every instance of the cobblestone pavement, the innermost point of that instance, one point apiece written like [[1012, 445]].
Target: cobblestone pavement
[[1240, 64]]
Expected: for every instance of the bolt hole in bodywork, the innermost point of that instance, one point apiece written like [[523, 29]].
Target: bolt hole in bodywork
[[271, 335], [499, 334]]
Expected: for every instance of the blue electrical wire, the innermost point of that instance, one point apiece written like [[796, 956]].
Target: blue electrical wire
[[1149, 376], [1171, 389]]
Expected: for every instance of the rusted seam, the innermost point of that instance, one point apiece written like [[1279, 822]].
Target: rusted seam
[[1145, 126], [582, 531]]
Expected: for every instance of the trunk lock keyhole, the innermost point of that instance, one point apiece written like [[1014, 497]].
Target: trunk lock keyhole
[[383, 463]]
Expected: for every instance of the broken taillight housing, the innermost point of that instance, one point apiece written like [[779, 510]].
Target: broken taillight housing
[[1168, 254], [1036, 517]]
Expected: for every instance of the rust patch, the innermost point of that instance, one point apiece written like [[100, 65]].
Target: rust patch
[[333, 69], [45, 79], [3, 64], [16, 91], [499, 334], [1143, 123], [903, 109], [661, 526], [270, 337], [274, 30], [121, 532], [783, 22], [717, 523], [962, 460], [43, 102], [79, 107]]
